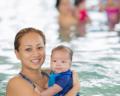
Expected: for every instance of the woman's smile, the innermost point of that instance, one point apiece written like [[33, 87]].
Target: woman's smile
[[36, 61]]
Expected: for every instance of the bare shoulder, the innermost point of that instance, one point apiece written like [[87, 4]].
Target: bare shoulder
[[13, 82], [19, 87], [12, 85]]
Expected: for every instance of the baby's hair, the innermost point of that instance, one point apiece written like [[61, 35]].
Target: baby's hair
[[65, 48], [77, 2]]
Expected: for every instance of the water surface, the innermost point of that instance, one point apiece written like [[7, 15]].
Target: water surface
[[96, 57]]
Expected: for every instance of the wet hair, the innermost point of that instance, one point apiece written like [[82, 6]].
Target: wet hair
[[77, 2], [57, 3], [65, 48], [25, 31]]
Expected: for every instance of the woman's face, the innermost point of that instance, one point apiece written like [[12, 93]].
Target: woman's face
[[31, 51], [65, 6]]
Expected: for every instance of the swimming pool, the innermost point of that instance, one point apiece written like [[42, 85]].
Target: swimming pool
[[96, 57]]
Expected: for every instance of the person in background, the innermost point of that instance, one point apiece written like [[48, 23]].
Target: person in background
[[60, 79], [66, 19], [119, 9], [29, 48], [82, 17], [113, 12]]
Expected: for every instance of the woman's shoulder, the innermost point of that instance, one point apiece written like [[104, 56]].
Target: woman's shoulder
[[14, 80], [12, 85], [18, 86]]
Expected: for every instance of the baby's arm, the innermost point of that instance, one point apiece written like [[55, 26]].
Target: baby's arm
[[51, 90]]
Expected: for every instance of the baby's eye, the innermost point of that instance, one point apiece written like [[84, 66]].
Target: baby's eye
[[53, 60], [28, 49], [63, 61]]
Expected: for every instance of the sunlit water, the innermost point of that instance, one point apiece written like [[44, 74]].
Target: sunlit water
[[96, 57]]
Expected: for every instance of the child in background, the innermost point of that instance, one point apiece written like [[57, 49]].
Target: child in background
[[60, 79], [113, 12], [66, 20], [82, 16]]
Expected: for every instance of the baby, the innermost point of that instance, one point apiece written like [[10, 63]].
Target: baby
[[60, 79]]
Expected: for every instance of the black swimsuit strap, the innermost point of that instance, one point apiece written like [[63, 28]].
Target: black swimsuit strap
[[28, 79]]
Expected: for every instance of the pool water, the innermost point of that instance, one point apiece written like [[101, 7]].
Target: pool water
[[96, 56]]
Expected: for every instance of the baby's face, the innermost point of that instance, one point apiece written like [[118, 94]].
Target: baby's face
[[60, 61]]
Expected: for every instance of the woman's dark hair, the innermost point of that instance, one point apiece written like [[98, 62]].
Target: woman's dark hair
[[25, 31], [57, 3], [77, 2]]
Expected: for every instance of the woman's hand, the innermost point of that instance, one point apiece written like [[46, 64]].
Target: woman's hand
[[76, 81], [76, 85]]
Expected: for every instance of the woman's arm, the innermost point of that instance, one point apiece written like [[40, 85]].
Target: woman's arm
[[76, 85], [51, 90]]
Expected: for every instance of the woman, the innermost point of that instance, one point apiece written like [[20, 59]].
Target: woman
[[67, 22], [29, 47]]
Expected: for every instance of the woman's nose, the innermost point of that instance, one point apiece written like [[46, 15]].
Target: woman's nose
[[35, 53]]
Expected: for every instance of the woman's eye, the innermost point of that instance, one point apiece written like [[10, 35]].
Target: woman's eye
[[39, 47], [28, 49]]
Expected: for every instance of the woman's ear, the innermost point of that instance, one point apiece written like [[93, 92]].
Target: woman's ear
[[17, 54]]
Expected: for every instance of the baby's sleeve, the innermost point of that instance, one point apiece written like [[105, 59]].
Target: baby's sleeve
[[63, 81]]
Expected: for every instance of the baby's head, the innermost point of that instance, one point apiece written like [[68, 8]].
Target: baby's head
[[61, 59], [80, 3]]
